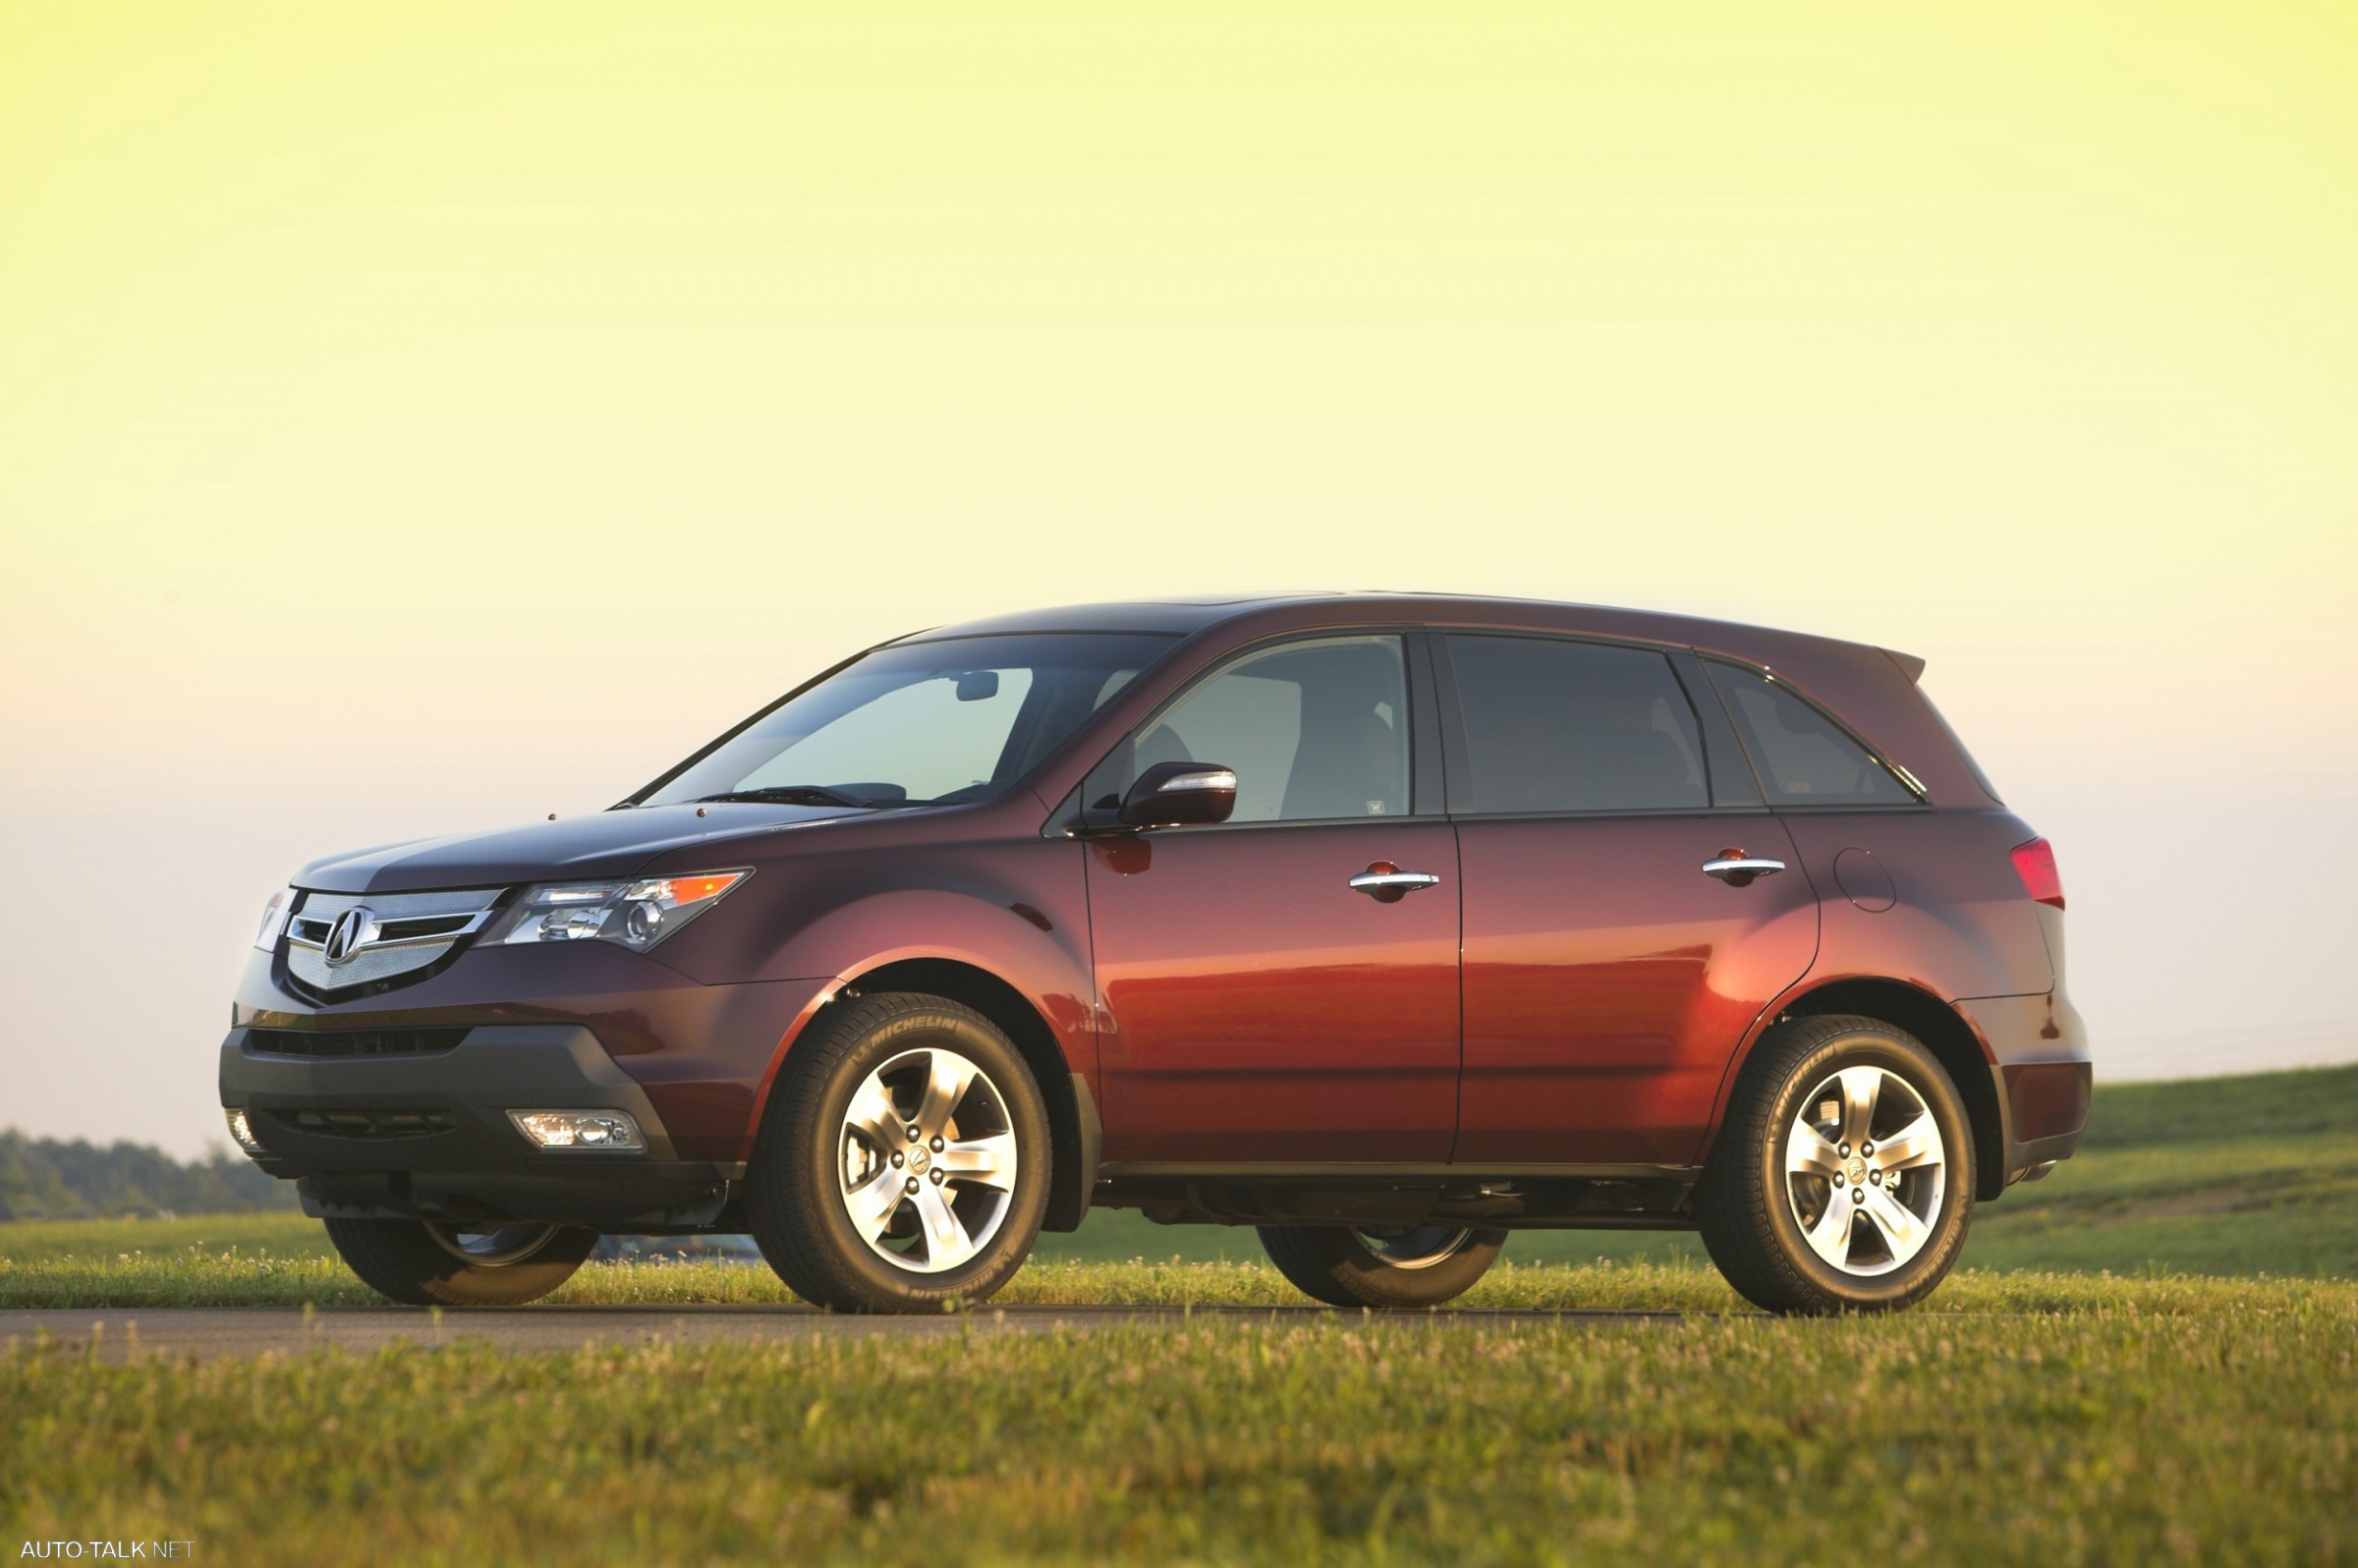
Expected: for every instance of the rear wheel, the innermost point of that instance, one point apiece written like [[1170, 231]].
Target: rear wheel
[[423, 1264], [904, 1159], [1843, 1179], [1403, 1265]]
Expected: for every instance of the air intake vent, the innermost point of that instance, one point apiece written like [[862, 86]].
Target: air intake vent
[[367, 1123], [353, 1041]]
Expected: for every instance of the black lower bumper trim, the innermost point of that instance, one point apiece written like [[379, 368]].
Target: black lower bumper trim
[[676, 1195], [427, 1136]]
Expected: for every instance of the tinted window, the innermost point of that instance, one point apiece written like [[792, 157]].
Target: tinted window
[[1314, 730], [1556, 726], [1803, 757], [924, 723]]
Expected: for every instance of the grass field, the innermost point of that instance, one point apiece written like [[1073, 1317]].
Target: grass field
[[2140, 1422], [2036, 1410]]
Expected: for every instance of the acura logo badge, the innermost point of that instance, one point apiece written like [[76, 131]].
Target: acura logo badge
[[353, 929]]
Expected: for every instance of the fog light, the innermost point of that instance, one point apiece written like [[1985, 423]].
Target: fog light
[[243, 1131], [579, 1129]]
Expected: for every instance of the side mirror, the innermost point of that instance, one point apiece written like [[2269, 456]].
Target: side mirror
[[1180, 795]]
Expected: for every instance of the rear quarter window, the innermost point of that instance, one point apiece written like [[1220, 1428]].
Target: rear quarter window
[[1803, 757]]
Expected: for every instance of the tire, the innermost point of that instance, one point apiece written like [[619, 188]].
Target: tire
[[1778, 1201], [439, 1265], [868, 1072], [1421, 1266]]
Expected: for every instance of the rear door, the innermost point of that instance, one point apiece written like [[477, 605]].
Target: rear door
[[1255, 1007], [1607, 977]]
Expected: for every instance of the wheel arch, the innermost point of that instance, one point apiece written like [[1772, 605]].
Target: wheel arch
[[1945, 1033], [1072, 1114]]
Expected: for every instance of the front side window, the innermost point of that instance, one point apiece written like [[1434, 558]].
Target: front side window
[[921, 723], [1314, 730], [1558, 726], [1803, 757]]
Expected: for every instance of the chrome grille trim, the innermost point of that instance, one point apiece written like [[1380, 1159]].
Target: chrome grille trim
[[383, 933], [393, 934]]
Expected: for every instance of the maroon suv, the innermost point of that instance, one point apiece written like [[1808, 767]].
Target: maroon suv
[[1385, 924]]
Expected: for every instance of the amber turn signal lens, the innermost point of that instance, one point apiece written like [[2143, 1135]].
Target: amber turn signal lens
[[678, 890]]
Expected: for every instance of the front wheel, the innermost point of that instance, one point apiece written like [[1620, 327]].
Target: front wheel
[[1843, 1178], [904, 1160], [422, 1265], [1403, 1265]]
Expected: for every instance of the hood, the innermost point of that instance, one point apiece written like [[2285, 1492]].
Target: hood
[[604, 844]]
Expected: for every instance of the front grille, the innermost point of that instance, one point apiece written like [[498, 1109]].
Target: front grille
[[398, 937], [353, 1041], [367, 1123]]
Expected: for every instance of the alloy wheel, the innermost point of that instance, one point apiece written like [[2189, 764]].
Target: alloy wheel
[[927, 1160], [496, 1247], [1866, 1170], [1415, 1245]]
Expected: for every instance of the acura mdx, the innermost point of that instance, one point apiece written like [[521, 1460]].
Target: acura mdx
[[1388, 925]]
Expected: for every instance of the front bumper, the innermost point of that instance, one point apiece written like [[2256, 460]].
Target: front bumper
[[457, 1157]]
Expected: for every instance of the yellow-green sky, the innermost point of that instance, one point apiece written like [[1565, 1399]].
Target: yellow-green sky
[[418, 417]]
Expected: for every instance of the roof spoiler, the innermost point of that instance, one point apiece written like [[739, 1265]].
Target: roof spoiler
[[1909, 664]]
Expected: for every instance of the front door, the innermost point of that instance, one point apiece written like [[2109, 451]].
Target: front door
[[1608, 977], [1255, 1007]]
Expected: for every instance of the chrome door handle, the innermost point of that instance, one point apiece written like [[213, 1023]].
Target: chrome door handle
[[1386, 883], [1736, 868]]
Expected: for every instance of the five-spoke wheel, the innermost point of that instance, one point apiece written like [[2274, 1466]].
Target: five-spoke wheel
[[903, 1160], [425, 1265], [1864, 1171], [928, 1159], [1400, 1266], [1843, 1177]]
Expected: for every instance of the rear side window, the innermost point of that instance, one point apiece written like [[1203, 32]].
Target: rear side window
[[1557, 726], [1804, 757]]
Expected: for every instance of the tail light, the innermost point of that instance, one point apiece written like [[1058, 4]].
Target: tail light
[[2035, 863]]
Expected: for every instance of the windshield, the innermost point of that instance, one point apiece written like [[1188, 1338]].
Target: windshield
[[918, 724]]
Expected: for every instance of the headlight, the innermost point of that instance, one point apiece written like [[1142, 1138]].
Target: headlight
[[638, 915], [274, 919]]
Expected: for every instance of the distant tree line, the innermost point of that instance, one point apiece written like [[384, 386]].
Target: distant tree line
[[44, 1178]]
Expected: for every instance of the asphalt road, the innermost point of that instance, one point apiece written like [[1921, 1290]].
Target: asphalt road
[[207, 1332]]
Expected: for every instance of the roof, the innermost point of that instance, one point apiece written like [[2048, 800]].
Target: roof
[[1179, 616], [1277, 612]]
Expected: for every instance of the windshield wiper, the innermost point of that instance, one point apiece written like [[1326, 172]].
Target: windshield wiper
[[800, 795]]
